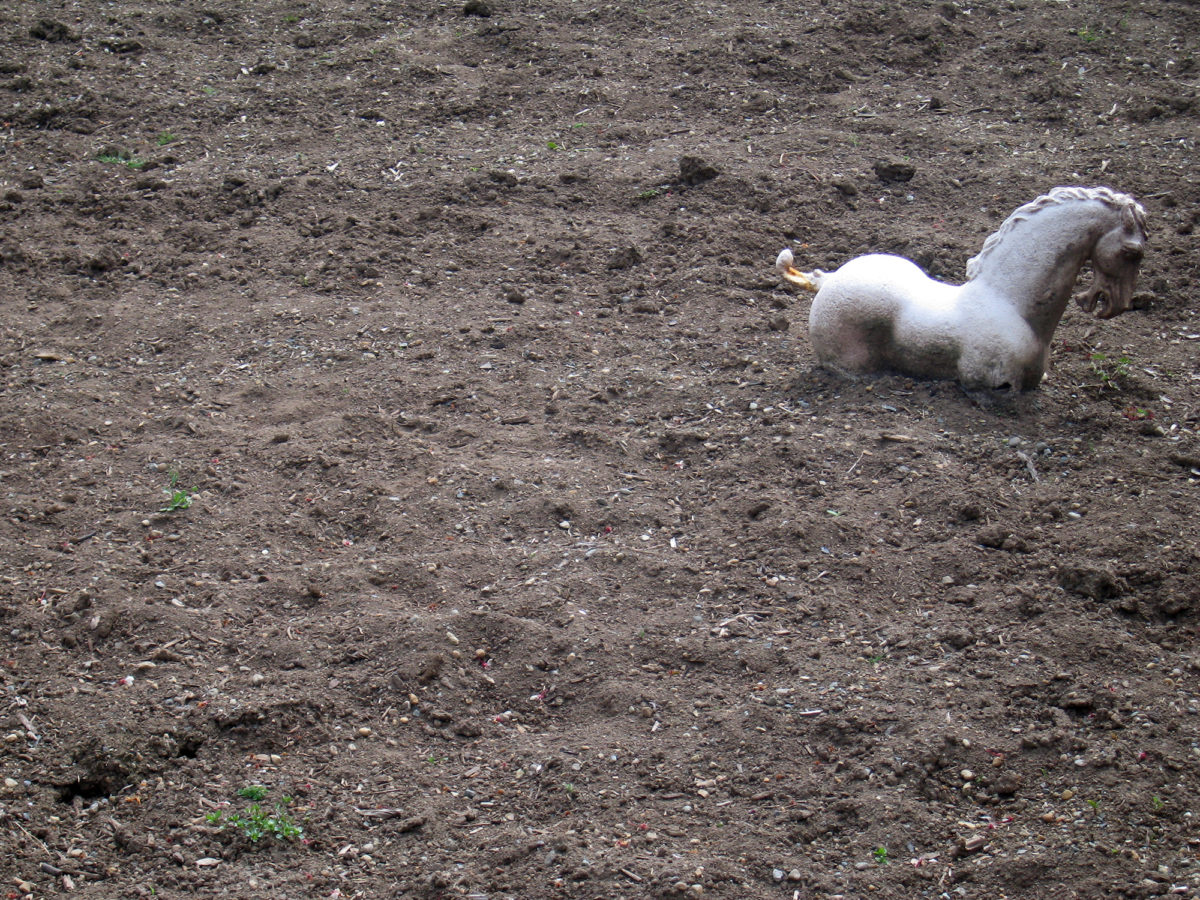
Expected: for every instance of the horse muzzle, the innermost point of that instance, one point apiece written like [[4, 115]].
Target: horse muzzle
[[1107, 297]]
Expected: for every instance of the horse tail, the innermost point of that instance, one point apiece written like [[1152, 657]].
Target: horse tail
[[808, 281]]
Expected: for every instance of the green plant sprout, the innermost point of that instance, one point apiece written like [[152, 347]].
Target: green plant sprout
[[255, 822], [880, 854], [1110, 370], [179, 499], [165, 138], [122, 157]]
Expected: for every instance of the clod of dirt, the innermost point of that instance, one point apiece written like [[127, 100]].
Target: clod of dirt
[[513, 295], [1099, 584], [1000, 538], [894, 171], [122, 45], [956, 637], [53, 31], [693, 170], [625, 258], [1008, 784], [845, 186], [970, 512], [477, 8]]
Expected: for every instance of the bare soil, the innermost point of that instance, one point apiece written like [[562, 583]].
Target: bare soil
[[400, 414]]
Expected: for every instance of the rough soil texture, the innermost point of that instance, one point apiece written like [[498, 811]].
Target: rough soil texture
[[527, 554]]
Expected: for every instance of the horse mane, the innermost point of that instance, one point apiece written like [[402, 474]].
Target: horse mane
[[1058, 196]]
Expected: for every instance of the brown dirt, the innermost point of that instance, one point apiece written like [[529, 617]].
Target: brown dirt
[[527, 553]]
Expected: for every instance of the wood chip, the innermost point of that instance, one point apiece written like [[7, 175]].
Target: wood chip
[[972, 843]]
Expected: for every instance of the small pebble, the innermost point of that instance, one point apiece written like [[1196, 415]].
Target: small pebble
[[778, 874], [967, 775], [1067, 794]]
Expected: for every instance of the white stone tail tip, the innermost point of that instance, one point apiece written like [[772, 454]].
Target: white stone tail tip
[[785, 266]]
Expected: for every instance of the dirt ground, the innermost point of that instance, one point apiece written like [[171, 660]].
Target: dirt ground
[[409, 457]]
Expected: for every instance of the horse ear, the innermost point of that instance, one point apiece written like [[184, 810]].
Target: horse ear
[[1133, 217]]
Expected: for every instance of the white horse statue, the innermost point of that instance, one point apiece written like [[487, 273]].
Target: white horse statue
[[882, 313]]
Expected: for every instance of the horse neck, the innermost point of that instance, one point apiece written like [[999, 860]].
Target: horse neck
[[1035, 266]]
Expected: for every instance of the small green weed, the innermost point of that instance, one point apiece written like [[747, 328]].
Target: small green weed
[[257, 822], [1157, 803], [649, 194], [569, 789], [553, 145], [881, 856], [1094, 804], [178, 499], [122, 157], [1110, 370], [1088, 34], [165, 138]]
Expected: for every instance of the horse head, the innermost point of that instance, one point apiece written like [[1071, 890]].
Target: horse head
[[1115, 260]]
